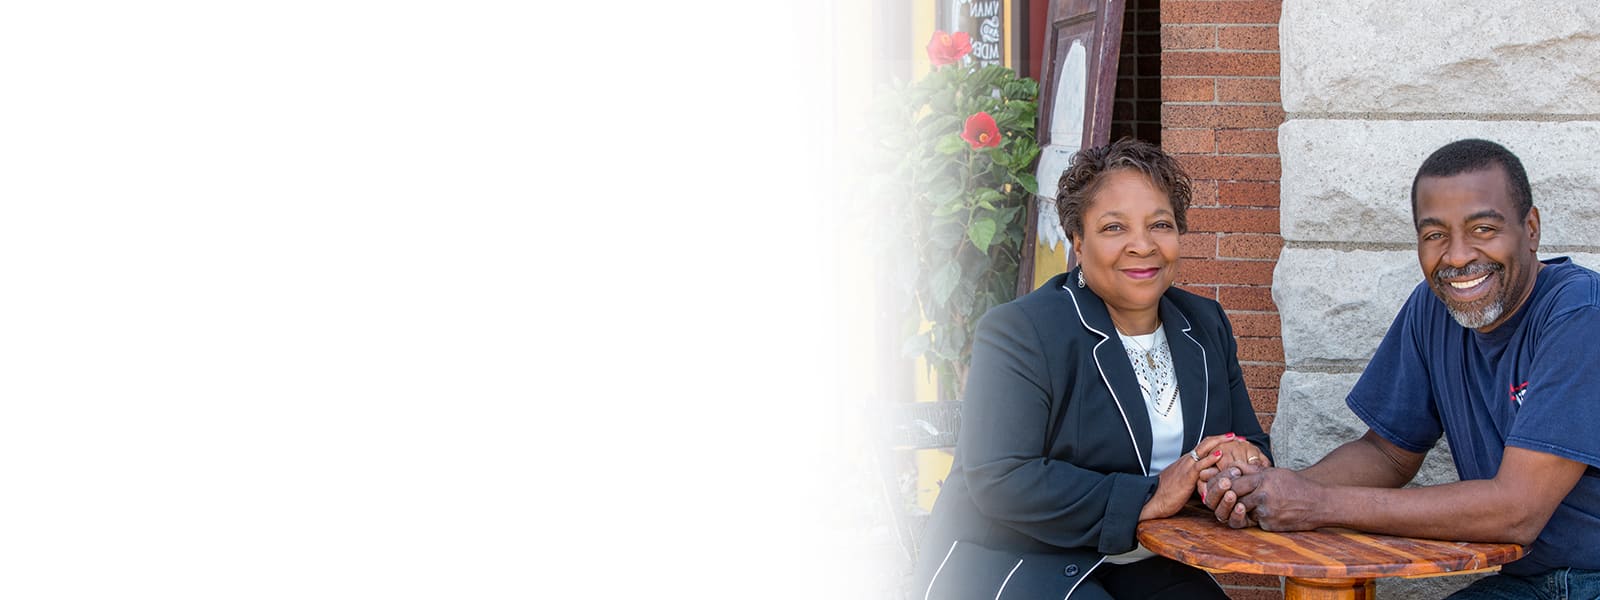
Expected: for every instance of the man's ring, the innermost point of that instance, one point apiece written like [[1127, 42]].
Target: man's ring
[[1253, 459], [1194, 456]]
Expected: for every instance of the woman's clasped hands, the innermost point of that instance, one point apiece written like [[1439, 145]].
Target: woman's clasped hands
[[1189, 472], [1238, 457]]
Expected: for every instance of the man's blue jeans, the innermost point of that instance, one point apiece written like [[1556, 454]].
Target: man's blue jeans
[[1555, 584]]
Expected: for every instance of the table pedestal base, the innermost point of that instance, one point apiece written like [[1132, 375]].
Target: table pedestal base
[[1315, 588]]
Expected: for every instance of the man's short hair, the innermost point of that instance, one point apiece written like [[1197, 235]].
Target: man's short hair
[[1472, 155]]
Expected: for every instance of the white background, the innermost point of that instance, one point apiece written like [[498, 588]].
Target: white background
[[458, 299]]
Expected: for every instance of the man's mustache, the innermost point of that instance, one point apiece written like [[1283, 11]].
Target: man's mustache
[[1472, 270]]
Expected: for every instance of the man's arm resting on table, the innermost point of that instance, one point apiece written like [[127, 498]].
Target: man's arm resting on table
[[1512, 507], [1370, 461]]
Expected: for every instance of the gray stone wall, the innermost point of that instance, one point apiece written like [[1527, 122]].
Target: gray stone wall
[[1370, 89]]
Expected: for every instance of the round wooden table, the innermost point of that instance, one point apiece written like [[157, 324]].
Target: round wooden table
[[1322, 564]]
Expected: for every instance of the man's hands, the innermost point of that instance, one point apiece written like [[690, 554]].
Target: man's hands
[[1238, 458], [1181, 478], [1275, 499], [1367, 462], [1358, 486]]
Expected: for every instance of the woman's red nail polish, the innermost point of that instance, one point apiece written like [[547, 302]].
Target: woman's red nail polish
[[1217, 453], [1229, 436]]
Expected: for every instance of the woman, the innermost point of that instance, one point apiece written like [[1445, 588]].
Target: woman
[[1092, 404]]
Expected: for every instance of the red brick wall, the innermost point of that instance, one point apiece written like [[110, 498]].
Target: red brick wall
[[1220, 114]]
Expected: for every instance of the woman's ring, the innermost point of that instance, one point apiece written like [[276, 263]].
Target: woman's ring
[[1194, 456], [1253, 459]]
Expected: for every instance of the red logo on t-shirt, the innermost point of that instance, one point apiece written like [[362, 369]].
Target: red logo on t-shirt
[[1518, 391]]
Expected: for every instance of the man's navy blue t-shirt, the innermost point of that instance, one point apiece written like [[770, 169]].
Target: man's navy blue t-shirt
[[1533, 383]]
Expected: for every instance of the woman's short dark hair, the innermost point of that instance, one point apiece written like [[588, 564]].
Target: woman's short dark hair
[[1089, 166]]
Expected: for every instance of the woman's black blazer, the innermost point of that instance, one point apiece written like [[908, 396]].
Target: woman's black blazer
[[1054, 436]]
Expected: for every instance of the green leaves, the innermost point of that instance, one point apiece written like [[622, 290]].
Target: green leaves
[[992, 76], [959, 210], [1028, 182], [1024, 151], [949, 144], [988, 197], [945, 280], [982, 233], [1020, 89], [948, 209]]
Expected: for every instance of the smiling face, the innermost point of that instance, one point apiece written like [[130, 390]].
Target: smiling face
[[1478, 255], [1129, 248]]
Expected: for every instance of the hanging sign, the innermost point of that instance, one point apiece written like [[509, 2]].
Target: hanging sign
[[982, 20]]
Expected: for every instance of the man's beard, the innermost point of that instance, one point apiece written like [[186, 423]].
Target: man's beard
[[1489, 307]]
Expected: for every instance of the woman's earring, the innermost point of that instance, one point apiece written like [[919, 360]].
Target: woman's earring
[[1080, 278]]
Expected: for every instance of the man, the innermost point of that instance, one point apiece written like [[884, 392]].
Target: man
[[1497, 351]]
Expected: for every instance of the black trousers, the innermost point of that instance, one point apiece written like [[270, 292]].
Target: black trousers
[[1155, 578]]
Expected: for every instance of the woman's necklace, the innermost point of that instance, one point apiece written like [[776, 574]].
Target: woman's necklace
[[1156, 377], [1149, 353]]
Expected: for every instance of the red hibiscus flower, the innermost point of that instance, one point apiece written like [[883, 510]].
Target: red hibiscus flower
[[946, 49], [981, 131]]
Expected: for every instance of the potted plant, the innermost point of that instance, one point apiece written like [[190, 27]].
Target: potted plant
[[960, 148]]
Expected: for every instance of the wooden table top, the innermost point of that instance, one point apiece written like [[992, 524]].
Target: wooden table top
[[1194, 537]]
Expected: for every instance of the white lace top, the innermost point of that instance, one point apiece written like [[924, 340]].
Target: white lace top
[[1151, 358]]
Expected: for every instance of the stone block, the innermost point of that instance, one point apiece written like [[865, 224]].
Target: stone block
[[1312, 417], [1336, 305], [1430, 588], [1350, 181], [1439, 56], [1313, 420], [1586, 259]]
